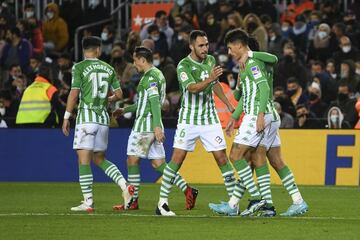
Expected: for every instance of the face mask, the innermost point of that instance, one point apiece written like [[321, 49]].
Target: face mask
[[211, 21], [232, 83], [50, 15], [342, 97], [344, 75], [272, 38], [104, 36], [223, 58], [94, 3], [288, 59], [156, 62], [346, 49], [2, 111], [334, 118], [180, 2], [333, 75], [211, 2], [180, 37], [313, 96], [155, 38], [284, 28], [29, 14], [322, 35], [357, 71], [252, 26], [291, 92]]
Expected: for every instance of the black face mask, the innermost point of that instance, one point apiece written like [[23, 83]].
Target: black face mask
[[280, 99], [313, 96], [288, 59], [117, 59], [291, 92], [251, 27], [342, 97]]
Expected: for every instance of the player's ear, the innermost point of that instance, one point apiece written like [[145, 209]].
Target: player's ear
[[191, 47]]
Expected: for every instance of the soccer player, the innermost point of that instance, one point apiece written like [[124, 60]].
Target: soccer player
[[147, 135], [197, 75], [254, 127], [91, 81]]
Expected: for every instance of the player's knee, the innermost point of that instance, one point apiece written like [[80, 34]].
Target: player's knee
[[277, 163]]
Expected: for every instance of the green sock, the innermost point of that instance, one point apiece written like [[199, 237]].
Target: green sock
[[113, 172], [179, 181], [134, 178], [228, 175], [244, 171], [263, 177], [86, 181], [288, 180], [168, 179]]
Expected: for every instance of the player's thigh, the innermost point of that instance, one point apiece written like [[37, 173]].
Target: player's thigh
[[272, 137], [185, 137], [212, 137], [275, 158], [239, 151], [258, 157], [84, 136], [220, 157], [84, 156], [178, 156], [139, 144], [101, 138], [156, 151]]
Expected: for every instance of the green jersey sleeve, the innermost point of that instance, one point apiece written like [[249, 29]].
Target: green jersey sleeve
[[114, 81], [184, 76], [265, 57], [255, 72], [76, 78], [151, 84]]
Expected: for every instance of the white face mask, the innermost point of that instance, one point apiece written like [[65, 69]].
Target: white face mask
[[94, 3], [211, 2], [322, 35], [156, 62], [180, 2], [334, 75], [180, 37], [155, 38], [357, 71], [334, 118], [50, 15], [232, 83], [29, 14], [104, 36], [284, 28], [223, 58], [346, 49], [272, 38], [2, 111]]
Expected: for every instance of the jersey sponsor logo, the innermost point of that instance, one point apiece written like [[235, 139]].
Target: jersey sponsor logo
[[153, 91], [183, 76], [153, 84], [256, 72], [194, 68]]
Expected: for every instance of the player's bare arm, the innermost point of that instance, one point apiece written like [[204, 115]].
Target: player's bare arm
[[70, 105], [118, 94], [219, 91]]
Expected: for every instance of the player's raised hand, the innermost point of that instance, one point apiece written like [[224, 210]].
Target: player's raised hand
[[118, 112], [260, 122], [216, 72], [230, 127], [66, 127], [159, 134], [242, 60]]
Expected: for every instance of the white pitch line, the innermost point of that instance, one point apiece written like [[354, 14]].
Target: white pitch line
[[178, 216], [301, 187]]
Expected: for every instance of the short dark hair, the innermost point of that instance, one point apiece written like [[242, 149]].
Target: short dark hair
[[237, 35], [29, 5], [340, 26], [253, 44], [195, 34], [292, 80], [13, 65], [45, 71], [153, 28], [279, 88], [16, 31], [144, 52], [318, 62], [91, 42], [160, 13]]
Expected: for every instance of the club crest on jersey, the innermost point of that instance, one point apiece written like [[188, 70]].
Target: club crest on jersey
[[183, 76], [256, 72]]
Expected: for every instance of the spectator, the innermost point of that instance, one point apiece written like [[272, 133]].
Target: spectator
[[331, 69], [64, 66], [346, 104], [242, 6], [107, 37], [306, 119], [72, 13], [275, 40], [17, 51], [357, 66], [348, 76], [39, 104], [316, 104], [180, 47], [167, 67], [148, 43], [287, 121], [286, 28], [35, 62], [2, 114], [212, 29], [254, 27], [282, 98], [262, 7], [299, 34], [161, 20], [335, 119], [14, 73], [295, 92], [159, 38], [330, 12], [11, 107], [133, 40], [290, 66], [327, 84], [347, 51], [213, 7], [320, 48], [95, 12], [55, 30]]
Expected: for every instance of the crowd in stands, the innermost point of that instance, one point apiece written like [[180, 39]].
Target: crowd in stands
[[316, 80]]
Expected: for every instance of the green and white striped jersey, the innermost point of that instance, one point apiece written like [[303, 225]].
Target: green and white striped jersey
[[152, 84], [196, 108], [94, 78], [254, 74]]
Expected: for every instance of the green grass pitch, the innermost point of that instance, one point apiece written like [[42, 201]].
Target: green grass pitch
[[41, 211]]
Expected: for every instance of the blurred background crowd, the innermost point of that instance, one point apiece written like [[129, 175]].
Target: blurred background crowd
[[316, 81]]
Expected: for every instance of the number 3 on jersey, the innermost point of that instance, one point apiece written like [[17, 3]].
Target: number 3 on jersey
[[99, 85]]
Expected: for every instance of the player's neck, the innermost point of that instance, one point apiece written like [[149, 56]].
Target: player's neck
[[195, 58], [147, 67], [90, 55]]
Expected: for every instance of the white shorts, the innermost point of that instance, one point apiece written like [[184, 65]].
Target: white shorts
[[272, 137], [247, 134], [144, 145], [91, 136], [211, 136]]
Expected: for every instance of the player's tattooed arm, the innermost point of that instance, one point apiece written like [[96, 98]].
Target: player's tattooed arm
[[219, 91]]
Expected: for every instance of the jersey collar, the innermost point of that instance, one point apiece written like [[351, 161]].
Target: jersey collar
[[91, 59], [199, 63]]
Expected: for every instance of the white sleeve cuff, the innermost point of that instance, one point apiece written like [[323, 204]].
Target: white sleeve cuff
[[250, 54]]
